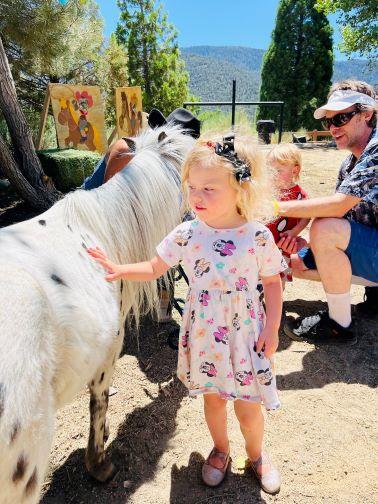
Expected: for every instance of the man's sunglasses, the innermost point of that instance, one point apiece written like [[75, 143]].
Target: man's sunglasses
[[339, 119]]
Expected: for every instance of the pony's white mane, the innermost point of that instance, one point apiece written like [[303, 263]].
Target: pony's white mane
[[132, 213]]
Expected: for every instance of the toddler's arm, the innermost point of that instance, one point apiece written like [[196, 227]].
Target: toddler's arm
[[289, 241], [273, 303], [296, 229], [137, 272]]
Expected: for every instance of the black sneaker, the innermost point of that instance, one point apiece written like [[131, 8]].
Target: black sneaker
[[369, 307], [319, 329]]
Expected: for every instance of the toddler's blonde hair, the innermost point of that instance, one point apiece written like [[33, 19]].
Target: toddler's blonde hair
[[286, 154], [253, 197]]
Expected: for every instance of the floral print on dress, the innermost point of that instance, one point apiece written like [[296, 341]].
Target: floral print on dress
[[223, 315]]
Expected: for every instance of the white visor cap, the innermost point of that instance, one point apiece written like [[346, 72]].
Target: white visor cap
[[343, 99]]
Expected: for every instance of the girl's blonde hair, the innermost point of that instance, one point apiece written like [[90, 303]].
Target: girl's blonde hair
[[253, 197], [286, 154]]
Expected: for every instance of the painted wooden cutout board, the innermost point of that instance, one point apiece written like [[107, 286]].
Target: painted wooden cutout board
[[79, 116], [129, 116]]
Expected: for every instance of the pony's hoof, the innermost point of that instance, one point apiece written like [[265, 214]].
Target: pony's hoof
[[102, 471]]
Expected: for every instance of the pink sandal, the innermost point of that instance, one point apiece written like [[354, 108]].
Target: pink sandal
[[270, 481], [212, 475]]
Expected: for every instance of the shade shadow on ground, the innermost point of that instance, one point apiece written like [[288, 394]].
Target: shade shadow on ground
[[141, 439], [326, 364], [187, 486]]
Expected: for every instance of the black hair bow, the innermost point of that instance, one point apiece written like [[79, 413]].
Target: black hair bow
[[227, 150]]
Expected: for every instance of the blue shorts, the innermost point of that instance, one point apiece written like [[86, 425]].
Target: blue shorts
[[97, 177], [362, 252]]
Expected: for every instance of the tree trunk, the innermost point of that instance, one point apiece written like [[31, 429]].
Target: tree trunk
[[12, 172], [23, 167]]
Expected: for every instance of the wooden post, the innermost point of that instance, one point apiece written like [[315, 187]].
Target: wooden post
[[42, 121], [112, 135]]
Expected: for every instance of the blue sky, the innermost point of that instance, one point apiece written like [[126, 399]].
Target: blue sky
[[216, 22]]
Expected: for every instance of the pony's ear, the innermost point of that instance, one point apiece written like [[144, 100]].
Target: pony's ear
[[162, 136], [130, 143]]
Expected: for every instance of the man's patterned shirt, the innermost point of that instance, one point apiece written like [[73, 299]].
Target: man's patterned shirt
[[360, 178]]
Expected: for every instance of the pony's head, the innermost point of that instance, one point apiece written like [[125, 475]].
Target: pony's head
[[167, 145], [136, 208]]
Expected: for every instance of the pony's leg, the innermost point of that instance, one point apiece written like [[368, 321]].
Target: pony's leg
[[24, 458], [98, 464]]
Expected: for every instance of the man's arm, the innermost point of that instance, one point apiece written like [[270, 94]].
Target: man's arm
[[336, 205], [119, 156]]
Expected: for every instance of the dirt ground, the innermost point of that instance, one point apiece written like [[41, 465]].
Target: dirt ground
[[324, 438]]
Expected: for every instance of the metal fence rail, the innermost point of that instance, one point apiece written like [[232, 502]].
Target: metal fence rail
[[234, 103]]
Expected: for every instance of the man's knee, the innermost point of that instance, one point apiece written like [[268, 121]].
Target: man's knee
[[329, 232]]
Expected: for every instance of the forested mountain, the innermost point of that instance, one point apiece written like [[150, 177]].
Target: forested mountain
[[357, 69], [245, 57], [212, 68], [211, 79]]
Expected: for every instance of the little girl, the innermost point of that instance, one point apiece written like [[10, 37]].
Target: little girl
[[286, 162], [226, 340]]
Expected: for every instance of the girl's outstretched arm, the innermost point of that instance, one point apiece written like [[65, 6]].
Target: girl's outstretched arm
[[137, 272], [273, 303]]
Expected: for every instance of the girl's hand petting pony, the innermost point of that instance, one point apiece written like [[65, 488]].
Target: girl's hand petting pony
[[137, 272], [115, 271]]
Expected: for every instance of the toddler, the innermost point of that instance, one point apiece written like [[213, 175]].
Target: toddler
[[286, 162]]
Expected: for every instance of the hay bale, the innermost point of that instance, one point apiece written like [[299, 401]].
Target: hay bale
[[68, 167]]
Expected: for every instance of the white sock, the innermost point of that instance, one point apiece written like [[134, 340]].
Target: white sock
[[339, 308]]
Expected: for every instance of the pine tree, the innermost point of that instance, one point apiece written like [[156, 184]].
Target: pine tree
[[153, 56], [297, 67], [111, 72], [358, 23], [50, 42]]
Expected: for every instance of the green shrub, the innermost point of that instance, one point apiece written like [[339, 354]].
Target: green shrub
[[68, 167]]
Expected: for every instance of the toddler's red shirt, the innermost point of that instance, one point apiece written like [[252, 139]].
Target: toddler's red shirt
[[286, 223]]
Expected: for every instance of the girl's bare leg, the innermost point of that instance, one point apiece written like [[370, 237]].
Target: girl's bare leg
[[251, 422], [216, 419]]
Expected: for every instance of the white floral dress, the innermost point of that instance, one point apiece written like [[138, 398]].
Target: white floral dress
[[223, 315]]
